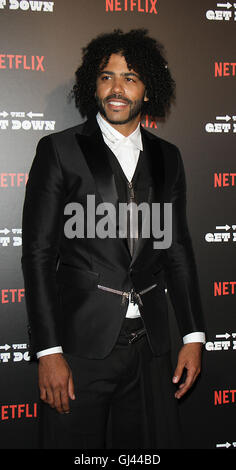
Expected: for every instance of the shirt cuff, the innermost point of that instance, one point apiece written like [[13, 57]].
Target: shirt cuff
[[45, 352], [196, 337]]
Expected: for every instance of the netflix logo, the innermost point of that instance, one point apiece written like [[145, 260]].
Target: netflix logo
[[18, 411], [13, 180], [224, 397], [11, 296], [22, 62], [225, 69], [224, 180], [140, 6], [224, 288], [147, 122]]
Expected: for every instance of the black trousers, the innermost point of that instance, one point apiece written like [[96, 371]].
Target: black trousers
[[125, 401]]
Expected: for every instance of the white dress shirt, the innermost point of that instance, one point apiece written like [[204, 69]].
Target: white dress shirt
[[126, 150]]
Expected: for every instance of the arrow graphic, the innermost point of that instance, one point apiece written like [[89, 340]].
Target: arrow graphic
[[227, 445], [31, 114], [223, 227], [225, 118], [4, 114], [5, 231], [6, 347], [224, 5], [223, 336]]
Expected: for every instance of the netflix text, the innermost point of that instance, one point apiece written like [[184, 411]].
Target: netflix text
[[140, 6], [223, 180], [13, 180], [11, 296], [18, 411], [225, 69], [22, 62], [224, 288]]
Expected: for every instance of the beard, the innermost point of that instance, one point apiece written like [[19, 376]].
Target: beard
[[135, 108]]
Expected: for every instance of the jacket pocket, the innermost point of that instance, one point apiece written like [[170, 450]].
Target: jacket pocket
[[75, 277]]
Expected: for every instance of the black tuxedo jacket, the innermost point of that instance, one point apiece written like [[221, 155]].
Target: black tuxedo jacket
[[64, 304]]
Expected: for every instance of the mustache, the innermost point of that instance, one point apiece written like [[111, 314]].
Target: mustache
[[117, 97]]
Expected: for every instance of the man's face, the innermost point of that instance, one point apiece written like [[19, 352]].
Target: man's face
[[120, 92]]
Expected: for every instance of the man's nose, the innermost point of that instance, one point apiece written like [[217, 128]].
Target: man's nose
[[117, 86]]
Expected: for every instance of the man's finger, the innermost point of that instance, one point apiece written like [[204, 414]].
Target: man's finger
[[50, 397], [185, 386], [65, 406], [43, 393], [57, 401], [178, 373], [71, 390]]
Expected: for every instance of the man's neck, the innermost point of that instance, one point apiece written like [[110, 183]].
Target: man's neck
[[125, 129]]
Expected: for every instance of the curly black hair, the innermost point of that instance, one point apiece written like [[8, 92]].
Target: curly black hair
[[143, 54]]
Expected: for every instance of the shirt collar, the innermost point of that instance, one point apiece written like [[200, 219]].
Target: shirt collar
[[115, 138]]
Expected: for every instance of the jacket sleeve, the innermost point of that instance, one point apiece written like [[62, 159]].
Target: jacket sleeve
[[41, 229], [180, 265]]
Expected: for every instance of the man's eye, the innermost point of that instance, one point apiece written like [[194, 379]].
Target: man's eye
[[105, 77]]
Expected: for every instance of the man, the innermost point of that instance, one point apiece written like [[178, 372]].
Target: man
[[97, 305]]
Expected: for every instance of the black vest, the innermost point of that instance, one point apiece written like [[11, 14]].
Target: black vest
[[139, 189]]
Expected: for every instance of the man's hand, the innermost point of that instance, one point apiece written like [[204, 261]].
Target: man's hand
[[189, 358], [56, 382]]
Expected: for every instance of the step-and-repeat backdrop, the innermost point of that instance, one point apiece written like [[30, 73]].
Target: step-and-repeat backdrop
[[40, 49]]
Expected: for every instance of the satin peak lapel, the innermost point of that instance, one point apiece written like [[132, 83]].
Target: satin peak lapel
[[94, 151], [93, 148], [155, 159]]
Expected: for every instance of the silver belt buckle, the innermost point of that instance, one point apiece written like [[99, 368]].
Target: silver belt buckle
[[133, 296]]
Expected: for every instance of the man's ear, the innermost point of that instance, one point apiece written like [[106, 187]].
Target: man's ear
[[145, 96]]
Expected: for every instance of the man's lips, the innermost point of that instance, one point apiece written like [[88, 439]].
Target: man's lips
[[117, 104]]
